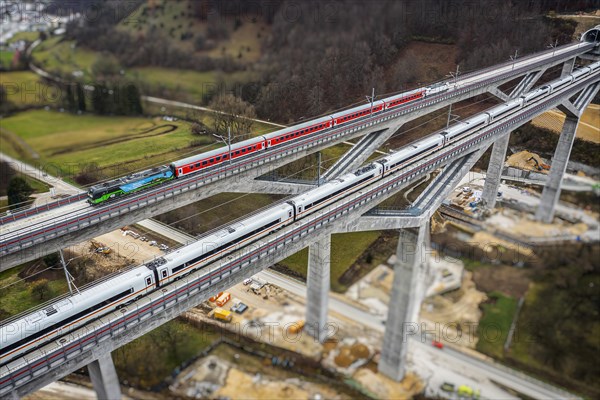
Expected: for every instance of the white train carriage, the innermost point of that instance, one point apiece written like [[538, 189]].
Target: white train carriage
[[318, 198], [580, 73], [504, 109], [437, 88], [408, 154], [223, 241], [65, 314], [555, 85], [535, 95], [464, 128]]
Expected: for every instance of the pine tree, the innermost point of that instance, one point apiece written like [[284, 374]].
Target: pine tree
[[80, 98], [18, 192]]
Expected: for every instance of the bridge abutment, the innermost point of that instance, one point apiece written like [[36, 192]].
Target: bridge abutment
[[317, 287], [402, 321], [104, 378]]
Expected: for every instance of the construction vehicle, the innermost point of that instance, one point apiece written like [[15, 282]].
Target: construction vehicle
[[465, 391], [539, 166], [239, 307], [100, 248], [223, 299], [295, 327], [222, 315], [215, 297]]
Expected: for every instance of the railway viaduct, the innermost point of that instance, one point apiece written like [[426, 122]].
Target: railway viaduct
[[410, 272]]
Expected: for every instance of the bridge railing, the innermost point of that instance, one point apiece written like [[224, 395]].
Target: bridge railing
[[167, 191]]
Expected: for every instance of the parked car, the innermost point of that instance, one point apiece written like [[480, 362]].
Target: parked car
[[437, 344], [239, 308], [247, 281], [447, 387]]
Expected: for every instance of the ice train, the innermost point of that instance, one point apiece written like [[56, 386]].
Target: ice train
[[25, 332]]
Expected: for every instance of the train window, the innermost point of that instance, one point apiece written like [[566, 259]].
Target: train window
[[148, 281], [243, 150], [212, 160], [198, 165], [217, 158], [204, 162], [225, 156], [164, 273], [192, 166]]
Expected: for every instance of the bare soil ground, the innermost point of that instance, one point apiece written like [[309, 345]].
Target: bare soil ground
[[588, 128], [457, 312], [508, 280]]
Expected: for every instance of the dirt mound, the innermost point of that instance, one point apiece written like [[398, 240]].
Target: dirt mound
[[359, 350], [527, 161], [344, 357]]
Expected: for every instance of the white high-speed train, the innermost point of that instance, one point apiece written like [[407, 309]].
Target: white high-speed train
[[27, 331]]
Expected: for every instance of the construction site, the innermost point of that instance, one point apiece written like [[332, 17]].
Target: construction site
[[261, 346]]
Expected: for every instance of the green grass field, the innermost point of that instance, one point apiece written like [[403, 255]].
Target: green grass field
[[16, 293], [6, 57], [206, 117], [186, 85], [25, 89], [174, 19], [27, 36], [65, 57], [148, 360], [73, 142], [495, 323], [37, 185], [346, 248]]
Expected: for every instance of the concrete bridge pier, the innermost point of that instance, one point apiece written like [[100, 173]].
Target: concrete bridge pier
[[317, 288], [494, 172], [405, 300], [568, 67], [104, 378], [573, 111], [551, 193]]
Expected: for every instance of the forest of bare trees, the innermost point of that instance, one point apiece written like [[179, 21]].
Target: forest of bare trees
[[324, 55]]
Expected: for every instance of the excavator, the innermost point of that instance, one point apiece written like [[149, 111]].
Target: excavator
[[100, 248], [539, 166]]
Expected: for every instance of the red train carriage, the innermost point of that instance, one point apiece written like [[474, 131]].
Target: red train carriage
[[198, 162], [307, 128]]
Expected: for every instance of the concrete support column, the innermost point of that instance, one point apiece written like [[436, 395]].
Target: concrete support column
[[551, 193], [567, 67], [494, 172], [104, 378], [317, 287], [405, 301]]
